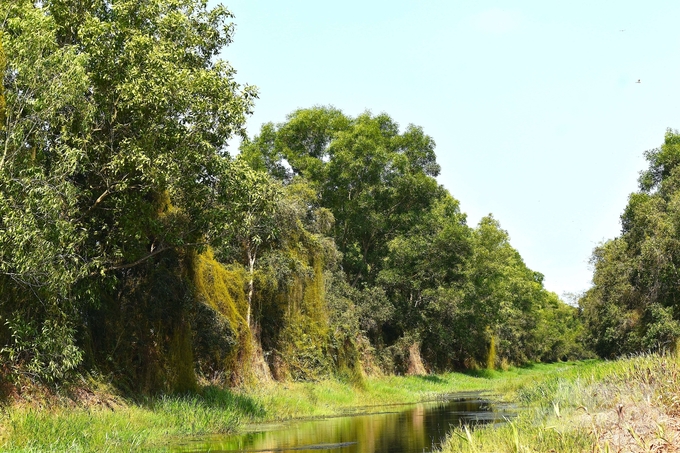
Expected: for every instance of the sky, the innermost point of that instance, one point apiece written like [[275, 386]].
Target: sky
[[534, 105]]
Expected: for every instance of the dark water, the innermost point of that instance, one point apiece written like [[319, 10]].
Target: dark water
[[387, 429]]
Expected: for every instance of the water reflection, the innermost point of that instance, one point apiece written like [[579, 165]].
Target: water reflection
[[395, 429]]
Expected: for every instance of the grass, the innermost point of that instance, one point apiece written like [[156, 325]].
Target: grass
[[629, 405], [304, 399], [110, 423], [127, 427]]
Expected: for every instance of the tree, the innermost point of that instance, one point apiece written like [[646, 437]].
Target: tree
[[634, 303], [376, 181], [252, 200], [506, 315], [424, 274], [118, 117]]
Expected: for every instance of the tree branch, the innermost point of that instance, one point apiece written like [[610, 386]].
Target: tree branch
[[149, 255]]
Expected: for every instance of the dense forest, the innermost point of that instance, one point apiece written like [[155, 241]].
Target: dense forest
[[135, 245]]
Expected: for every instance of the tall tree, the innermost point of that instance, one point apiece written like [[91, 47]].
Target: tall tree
[[376, 181], [252, 199], [118, 117], [634, 303]]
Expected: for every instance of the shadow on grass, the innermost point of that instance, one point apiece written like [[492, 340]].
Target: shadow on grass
[[212, 398], [226, 399], [481, 373], [431, 378], [527, 366]]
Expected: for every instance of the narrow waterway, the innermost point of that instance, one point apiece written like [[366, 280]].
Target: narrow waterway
[[416, 428]]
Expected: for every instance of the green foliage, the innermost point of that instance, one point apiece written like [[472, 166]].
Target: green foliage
[[375, 180], [292, 305], [347, 341], [634, 304], [112, 109], [138, 333], [39, 246], [134, 244], [252, 200], [47, 352], [417, 274], [222, 335], [423, 276], [431, 255], [307, 325], [555, 332]]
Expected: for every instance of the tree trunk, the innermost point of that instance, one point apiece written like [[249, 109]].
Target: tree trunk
[[415, 363], [251, 282]]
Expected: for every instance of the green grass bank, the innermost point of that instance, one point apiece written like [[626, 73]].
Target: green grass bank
[[92, 418]]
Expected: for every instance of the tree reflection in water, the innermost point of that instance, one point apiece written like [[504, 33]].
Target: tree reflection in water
[[395, 429]]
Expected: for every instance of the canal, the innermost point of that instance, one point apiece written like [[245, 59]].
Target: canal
[[414, 428]]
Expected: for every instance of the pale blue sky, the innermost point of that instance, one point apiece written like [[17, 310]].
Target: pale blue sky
[[534, 105]]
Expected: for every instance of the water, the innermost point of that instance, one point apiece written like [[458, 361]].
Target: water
[[387, 429]]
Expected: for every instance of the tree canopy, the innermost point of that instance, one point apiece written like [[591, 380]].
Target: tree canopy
[[422, 277], [376, 181], [134, 244], [118, 117]]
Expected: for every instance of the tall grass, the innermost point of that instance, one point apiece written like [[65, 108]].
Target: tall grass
[[311, 399], [628, 405], [144, 426]]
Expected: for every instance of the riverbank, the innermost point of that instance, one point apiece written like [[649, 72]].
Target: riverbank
[[92, 417], [630, 405]]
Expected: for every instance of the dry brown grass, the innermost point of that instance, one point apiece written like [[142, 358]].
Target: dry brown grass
[[627, 406], [642, 410]]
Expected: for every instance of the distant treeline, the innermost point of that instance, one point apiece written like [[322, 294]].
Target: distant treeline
[[134, 246]]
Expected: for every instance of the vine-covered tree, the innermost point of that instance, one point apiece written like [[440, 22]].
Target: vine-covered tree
[[3, 66], [118, 117]]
